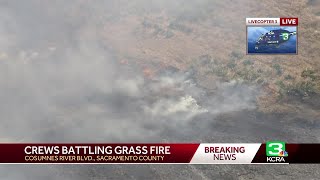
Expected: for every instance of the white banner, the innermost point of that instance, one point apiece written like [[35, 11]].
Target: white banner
[[263, 21], [225, 153]]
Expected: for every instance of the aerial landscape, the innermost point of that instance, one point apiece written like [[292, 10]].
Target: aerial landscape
[[155, 71]]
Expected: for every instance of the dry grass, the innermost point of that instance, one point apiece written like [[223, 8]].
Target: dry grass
[[222, 36]]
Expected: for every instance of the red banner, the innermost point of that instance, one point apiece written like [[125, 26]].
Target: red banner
[[97, 153], [289, 21]]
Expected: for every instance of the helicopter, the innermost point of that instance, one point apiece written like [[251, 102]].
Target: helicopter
[[274, 38]]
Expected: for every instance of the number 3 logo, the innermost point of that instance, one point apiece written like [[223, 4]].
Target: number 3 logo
[[274, 148], [285, 36]]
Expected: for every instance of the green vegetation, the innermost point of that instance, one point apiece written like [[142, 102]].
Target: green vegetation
[[260, 80], [169, 34], [282, 89], [206, 60], [297, 89], [288, 77], [146, 24], [230, 70], [247, 74], [180, 27], [278, 69], [281, 84], [236, 55], [220, 71], [287, 86], [308, 73], [247, 62], [158, 30], [304, 88], [232, 64]]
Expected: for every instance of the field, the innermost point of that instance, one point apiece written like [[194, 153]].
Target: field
[[155, 71]]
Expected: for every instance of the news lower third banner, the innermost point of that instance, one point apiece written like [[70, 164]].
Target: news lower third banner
[[192, 153]]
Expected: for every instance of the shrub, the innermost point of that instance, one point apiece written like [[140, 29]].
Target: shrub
[[220, 71], [180, 27], [301, 89], [146, 23], [169, 34], [231, 64], [288, 77], [248, 75], [206, 59], [260, 81], [308, 73], [281, 84], [247, 62], [236, 55], [278, 69]]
